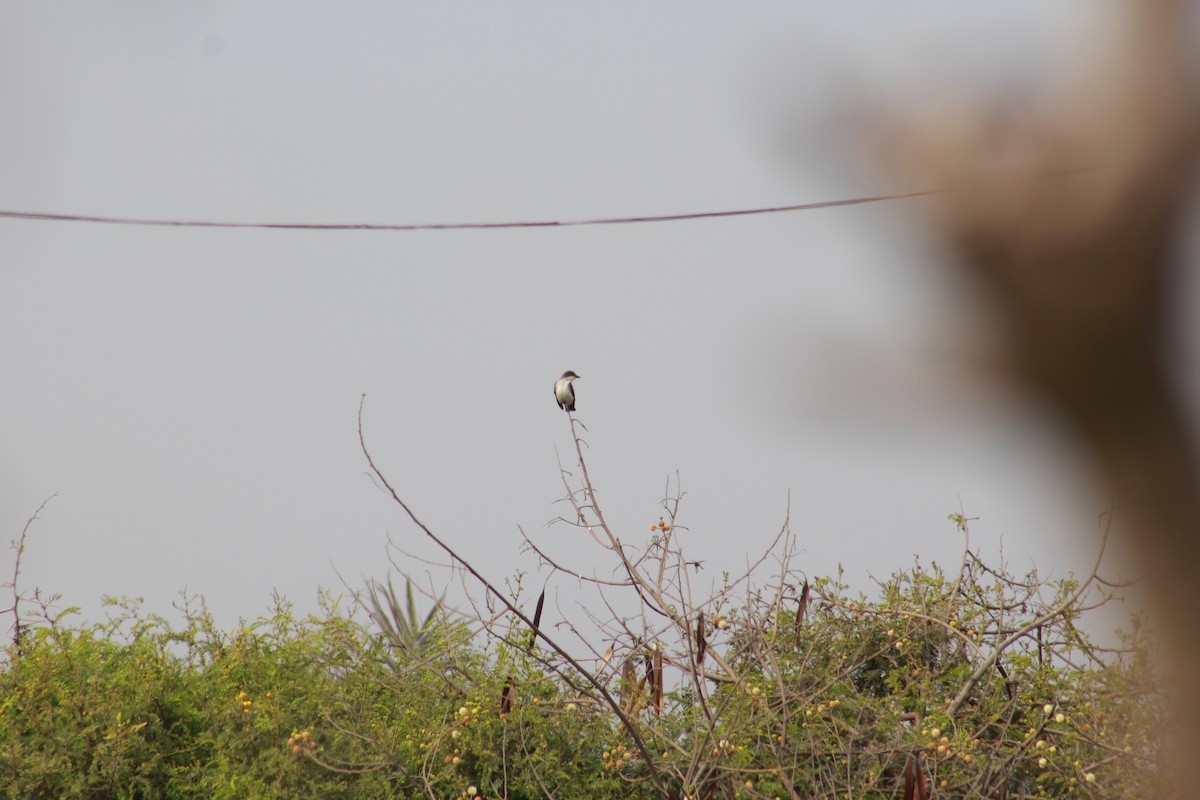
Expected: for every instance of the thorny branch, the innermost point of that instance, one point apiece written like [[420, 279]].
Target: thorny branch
[[19, 548], [1070, 604], [600, 688], [775, 639]]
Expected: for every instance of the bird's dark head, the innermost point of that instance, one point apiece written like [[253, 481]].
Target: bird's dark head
[[571, 375]]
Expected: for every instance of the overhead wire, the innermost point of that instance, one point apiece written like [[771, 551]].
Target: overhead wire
[[458, 226], [451, 226]]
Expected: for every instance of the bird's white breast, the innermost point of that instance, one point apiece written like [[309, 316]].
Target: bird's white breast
[[562, 390]]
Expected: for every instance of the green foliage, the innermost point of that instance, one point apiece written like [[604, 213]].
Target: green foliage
[[134, 708], [833, 703], [839, 708], [410, 638]]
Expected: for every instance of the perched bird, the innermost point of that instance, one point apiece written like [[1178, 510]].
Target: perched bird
[[564, 393]]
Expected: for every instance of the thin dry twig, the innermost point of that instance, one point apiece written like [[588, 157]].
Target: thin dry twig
[[19, 547], [602, 690]]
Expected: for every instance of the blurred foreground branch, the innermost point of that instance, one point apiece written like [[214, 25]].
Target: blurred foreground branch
[[1082, 268]]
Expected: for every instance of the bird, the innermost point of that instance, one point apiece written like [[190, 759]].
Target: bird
[[564, 394]]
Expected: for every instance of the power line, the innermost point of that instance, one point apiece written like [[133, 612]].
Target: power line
[[460, 226], [455, 226]]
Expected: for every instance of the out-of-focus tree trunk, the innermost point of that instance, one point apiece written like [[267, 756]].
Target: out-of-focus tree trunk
[[1081, 267]]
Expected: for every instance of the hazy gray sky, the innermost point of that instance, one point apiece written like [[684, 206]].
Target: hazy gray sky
[[191, 394]]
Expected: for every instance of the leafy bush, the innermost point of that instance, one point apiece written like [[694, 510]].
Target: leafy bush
[[828, 700], [971, 683]]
